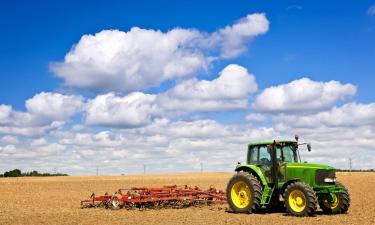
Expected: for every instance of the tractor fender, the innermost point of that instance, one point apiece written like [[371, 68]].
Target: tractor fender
[[254, 170]]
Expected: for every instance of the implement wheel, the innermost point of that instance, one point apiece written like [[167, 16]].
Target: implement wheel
[[114, 203], [300, 199], [243, 193], [338, 203]]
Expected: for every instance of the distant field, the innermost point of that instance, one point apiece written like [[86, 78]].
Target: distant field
[[56, 200]]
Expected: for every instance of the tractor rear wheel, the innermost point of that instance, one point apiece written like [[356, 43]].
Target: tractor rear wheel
[[300, 199], [340, 204], [243, 193]]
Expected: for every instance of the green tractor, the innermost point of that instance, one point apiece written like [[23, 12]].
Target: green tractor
[[274, 176]]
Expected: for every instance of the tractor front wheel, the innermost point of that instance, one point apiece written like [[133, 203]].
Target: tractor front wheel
[[338, 203], [300, 199], [243, 193]]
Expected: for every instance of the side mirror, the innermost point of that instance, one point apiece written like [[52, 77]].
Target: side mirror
[[309, 147]]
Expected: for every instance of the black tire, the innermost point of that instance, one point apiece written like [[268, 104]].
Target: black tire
[[341, 206], [300, 199], [252, 190]]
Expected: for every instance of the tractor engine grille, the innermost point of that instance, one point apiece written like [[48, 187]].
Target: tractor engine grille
[[321, 174]]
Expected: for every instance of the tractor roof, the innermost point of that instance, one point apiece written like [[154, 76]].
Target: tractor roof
[[270, 142]]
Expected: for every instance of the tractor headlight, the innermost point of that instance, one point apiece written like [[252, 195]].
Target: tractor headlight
[[330, 180]]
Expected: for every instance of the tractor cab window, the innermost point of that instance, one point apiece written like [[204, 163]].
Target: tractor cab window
[[286, 153], [259, 155], [264, 156]]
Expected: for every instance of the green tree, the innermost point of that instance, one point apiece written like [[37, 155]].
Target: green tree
[[13, 173]]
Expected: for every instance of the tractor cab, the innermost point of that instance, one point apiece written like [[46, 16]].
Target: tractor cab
[[272, 158]]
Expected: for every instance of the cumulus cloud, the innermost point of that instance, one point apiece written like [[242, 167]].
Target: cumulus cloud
[[46, 107], [113, 60], [233, 38], [227, 92], [44, 112], [234, 82], [348, 115], [303, 95], [133, 110]]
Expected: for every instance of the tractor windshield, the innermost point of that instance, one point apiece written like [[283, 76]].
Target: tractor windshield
[[286, 153]]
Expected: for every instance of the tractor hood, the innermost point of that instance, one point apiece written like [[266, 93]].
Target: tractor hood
[[308, 166]]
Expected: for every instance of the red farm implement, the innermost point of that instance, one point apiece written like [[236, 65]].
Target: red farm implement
[[165, 197]]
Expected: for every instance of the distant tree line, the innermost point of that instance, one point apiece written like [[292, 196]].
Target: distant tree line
[[347, 170], [34, 173]]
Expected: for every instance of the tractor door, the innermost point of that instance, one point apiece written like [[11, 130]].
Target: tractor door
[[284, 155], [261, 156]]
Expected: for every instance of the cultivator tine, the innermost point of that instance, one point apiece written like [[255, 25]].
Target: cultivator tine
[[156, 198]]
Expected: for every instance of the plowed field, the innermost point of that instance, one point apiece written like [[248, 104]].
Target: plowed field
[[56, 200]]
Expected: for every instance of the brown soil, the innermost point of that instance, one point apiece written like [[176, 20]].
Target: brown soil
[[56, 200]]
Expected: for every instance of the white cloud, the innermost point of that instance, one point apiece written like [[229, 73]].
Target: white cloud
[[113, 60], [348, 115], [257, 117], [133, 110], [234, 37], [163, 146], [5, 112], [45, 111], [46, 107], [227, 92], [9, 139], [170, 146], [39, 142], [234, 82], [101, 139], [303, 95], [33, 152]]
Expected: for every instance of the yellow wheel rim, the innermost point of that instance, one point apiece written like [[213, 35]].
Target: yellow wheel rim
[[240, 194], [297, 200], [331, 205]]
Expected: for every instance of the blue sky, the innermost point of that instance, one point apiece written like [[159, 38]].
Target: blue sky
[[319, 40], [324, 40]]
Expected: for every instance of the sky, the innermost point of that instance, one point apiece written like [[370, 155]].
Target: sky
[[119, 85]]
